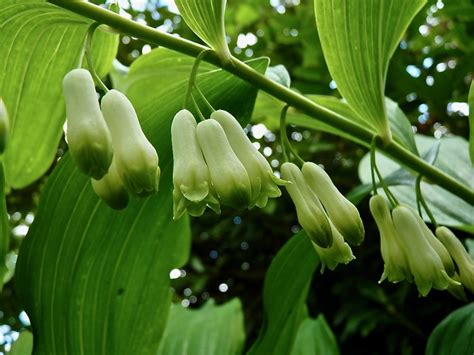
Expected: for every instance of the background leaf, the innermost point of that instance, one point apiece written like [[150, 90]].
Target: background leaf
[[279, 74], [358, 40], [471, 122], [453, 159], [39, 44], [210, 330], [4, 229], [284, 296], [315, 338], [97, 280], [23, 345], [455, 334]]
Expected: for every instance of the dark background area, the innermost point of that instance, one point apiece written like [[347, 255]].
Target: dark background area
[[429, 77]]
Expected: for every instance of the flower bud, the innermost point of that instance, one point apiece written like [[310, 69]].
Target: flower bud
[[340, 210], [339, 252], [461, 257], [396, 267], [425, 263], [309, 210], [88, 137], [262, 180], [4, 126], [136, 159], [191, 178], [229, 177], [110, 189]]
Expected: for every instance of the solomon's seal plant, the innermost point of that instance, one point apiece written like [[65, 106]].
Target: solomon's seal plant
[[89, 139], [136, 158]]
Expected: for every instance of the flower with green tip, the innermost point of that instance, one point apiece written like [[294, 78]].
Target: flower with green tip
[[229, 177], [425, 264], [4, 126], [461, 257], [309, 210], [191, 178], [88, 137], [136, 159], [338, 253], [396, 267], [111, 189], [340, 210], [262, 180]]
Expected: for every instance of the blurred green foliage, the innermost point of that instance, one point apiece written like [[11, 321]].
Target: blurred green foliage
[[429, 77]]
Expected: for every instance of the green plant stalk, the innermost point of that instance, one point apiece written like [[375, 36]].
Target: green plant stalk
[[243, 71]]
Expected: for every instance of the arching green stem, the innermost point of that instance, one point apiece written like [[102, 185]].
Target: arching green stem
[[88, 53], [361, 134]]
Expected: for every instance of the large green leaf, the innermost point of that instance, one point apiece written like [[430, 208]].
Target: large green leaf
[[315, 338], [358, 39], [453, 159], [471, 122], [284, 296], [267, 110], [4, 229], [23, 345], [96, 281], [206, 19], [210, 330], [455, 334], [39, 44]]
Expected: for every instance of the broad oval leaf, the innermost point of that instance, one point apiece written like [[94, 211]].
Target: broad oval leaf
[[455, 334], [97, 280], [206, 19], [284, 296], [315, 338], [209, 330], [358, 39], [39, 44]]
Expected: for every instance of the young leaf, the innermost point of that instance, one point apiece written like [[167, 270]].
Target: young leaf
[[39, 43], [315, 338], [358, 40], [284, 296], [209, 330], [455, 334]]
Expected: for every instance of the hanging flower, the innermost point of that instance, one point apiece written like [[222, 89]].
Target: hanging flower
[[263, 182], [229, 177], [341, 211], [309, 210], [396, 267], [111, 189], [88, 137], [136, 158], [425, 264], [191, 179]]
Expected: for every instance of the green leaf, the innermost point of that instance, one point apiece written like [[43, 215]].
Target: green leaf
[[210, 330], [4, 229], [97, 280], [39, 43], [453, 159], [471, 122], [206, 19], [284, 296], [315, 338], [358, 39], [455, 334], [23, 345]]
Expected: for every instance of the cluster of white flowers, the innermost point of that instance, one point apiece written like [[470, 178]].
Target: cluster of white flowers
[[216, 164], [412, 252], [107, 143]]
